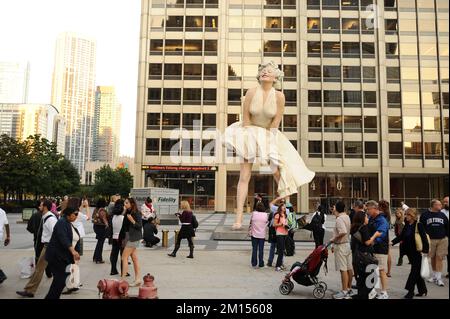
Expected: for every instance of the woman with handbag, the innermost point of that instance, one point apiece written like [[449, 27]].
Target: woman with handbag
[[415, 243], [117, 235], [132, 224], [100, 220], [362, 252], [187, 231]]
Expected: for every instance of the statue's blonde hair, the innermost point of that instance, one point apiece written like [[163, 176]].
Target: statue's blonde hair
[[278, 73]]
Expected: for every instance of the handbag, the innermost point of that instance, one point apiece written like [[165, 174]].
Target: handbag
[[418, 238], [425, 268], [73, 280], [364, 258]]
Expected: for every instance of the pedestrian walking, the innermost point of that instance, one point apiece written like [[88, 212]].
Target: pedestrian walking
[[257, 232], [100, 221], [187, 229], [117, 235], [281, 230], [383, 206], [4, 225], [398, 228]]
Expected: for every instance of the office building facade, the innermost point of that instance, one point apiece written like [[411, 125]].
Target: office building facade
[[14, 79]]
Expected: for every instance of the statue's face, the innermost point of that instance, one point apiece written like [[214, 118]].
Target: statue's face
[[267, 75]]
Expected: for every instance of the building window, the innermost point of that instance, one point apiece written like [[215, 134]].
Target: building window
[[331, 49], [210, 47], [290, 123], [289, 48], [395, 150], [315, 149], [313, 25], [413, 150], [209, 96], [331, 73], [209, 120], [353, 149], [433, 150], [174, 23], [168, 145], [352, 73], [157, 23], [289, 24], [370, 124], [191, 121], [330, 4], [332, 98], [370, 99], [192, 96], [194, 23], [392, 50], [368, 50], [412, 124], [445, 100], [352, 124], [352, 98], [211, 23], [430, 100], [154, 71], [367, 28], [273, 24], [193, 47], [390, 5], [349, 4], [332, 123], [190, 147], [314, 49], [330, 25], [209, 147], [192, 71], [154, 96], [391, 26], [394, 99], [156, 47], [234, 96], [232, 118], [431, 124], [395, 124], [350, 25], [315, 123], [272, 4], [152, 146], [153, 120], [272, 48], [289, 4], [371, 149], [291, 97], [176, 3], [314, 98], [211, 3], [446, 125], [314, 73], [333, 149], [410, 99], [170, 121], [290, 72], [172, 71], [174, 47], [172, 96], [351, 50], [210, 72], [313, 4], [369, 74]]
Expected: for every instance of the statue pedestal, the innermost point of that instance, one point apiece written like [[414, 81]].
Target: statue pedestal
[[225, 233], [167, 219]]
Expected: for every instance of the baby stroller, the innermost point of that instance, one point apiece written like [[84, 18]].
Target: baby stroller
[[306, 273]]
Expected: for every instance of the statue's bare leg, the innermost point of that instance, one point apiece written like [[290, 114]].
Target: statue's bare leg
[[242, 191]]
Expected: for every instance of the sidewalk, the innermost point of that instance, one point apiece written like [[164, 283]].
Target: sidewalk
[[211, 274]]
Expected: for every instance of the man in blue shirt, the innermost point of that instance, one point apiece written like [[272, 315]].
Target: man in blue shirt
[[379, 229]]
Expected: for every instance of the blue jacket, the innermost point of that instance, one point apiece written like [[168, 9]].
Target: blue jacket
[[380, 224], [58, 247], [436, 224]]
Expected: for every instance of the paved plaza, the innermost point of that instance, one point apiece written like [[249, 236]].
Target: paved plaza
[[220, 269]]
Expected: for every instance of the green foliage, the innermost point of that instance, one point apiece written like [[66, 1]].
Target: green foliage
[[109, 182], [34, 166]]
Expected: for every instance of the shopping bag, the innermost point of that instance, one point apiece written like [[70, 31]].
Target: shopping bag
[[27, 267], [73, 280], [377, 278], [425, 268]]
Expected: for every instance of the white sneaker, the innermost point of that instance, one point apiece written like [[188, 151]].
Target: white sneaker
[[278, 269], [372, 294], [341, 295], [440, 283], [383, 295], [352, 293], [431, 279]]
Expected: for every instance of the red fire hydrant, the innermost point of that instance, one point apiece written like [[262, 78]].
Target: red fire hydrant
[[113, 289], [148, 289]]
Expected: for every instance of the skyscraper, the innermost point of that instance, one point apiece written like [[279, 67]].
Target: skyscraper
[[106, 132], [73, 93], [14, 78], [366, 87]]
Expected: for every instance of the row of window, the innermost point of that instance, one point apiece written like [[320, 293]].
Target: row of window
[[413, 74], [255, 23], [188, 3], [415, 150], [334, 123], [177, 47], [339, 4], [411, 124], [193, 23], [346, 25], [334, 73], [192, 96], [332, 49], [186, 71]]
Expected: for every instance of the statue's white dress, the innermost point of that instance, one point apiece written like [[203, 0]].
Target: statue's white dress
[[270, 147]]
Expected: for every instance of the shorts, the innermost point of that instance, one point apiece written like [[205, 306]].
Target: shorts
[[438, 247], [343, 257], [382, 261], [132, 244]]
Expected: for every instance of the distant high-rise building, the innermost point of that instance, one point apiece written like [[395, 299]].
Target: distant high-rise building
[[22, 120], [73, 93], [106, 126], [14, 77]]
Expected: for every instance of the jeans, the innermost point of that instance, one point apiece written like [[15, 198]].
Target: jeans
[[59, 280], [271, 253], [115, 249], [258, 248], [281, 240], [414, 278], [100, 235]]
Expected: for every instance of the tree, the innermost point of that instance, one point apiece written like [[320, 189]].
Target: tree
[[109, 182], [64, 179]]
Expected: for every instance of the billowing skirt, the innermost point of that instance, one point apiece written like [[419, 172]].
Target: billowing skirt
[[270, 148]]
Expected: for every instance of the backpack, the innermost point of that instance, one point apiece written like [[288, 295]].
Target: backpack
[[194, 222], [292, 221], [316, 221]]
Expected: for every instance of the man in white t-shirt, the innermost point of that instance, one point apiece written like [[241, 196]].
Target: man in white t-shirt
[[4, 224]]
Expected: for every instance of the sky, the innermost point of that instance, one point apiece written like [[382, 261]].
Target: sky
[[28, 31]]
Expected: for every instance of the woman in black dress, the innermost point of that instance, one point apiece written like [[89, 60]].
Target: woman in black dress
[[187, 229], [407, 237]]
